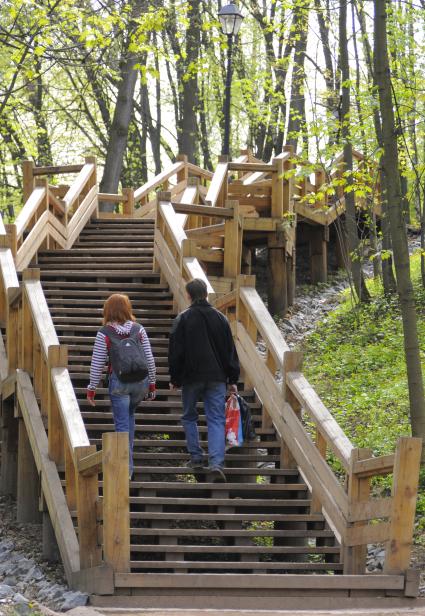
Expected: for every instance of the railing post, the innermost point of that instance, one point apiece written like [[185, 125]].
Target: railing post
[[87, 496], [27, 325], [292, 362], [278, 205], [358, 490], [28, 484], [92, 160], [57, 358], [27, 178], [232, 243], [11, 239], [116, 510], [12, 329], [183, 174], [128, 205], [404, 493]]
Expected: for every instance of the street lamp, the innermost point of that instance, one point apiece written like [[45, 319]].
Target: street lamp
[[230, 19]]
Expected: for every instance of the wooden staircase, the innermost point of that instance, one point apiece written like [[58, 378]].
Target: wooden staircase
[[285, 531], [260, 520]]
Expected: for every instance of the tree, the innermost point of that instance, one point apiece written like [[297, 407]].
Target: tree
[[390, 168]]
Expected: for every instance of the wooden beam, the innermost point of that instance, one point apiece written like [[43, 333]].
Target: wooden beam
[[116, 508], [383, 465], [404, 492], [203, 210]]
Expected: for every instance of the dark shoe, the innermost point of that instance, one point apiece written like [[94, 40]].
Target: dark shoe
[[217, 475], [196, 465]]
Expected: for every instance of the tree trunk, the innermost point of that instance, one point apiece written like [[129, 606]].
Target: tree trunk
[[350, 207], [297, 120], [122, 117], [390, 165]]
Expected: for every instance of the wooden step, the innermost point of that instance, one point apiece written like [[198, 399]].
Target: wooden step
[[235, 503], [236, 532], [234, 566]]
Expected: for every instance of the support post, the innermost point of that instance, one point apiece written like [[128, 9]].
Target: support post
[[404, 493], [128, 206], [277, 279], [28, 485], [292, 362], [12, 329], [318, 255], [50, 546], [57, 358], [9, 449], [87, 495], [183, 174], [27, 178], [116, 508], [232, 243], [358, 490]]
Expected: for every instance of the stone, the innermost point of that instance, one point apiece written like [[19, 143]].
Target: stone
[[10, 580], [73, 599], [6, 591]]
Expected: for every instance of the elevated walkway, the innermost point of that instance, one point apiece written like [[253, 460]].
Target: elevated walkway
[[284, 531]]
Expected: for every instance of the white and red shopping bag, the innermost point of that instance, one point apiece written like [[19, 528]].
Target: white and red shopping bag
[[234, 435]]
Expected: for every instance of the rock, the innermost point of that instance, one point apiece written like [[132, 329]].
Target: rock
[[6, 591], [73, 600], [10, 580]]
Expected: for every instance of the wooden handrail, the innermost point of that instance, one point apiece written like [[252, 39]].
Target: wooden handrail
[[263, 320], [157, 181], [326, 424], [77, 186], [29, 209], [41, 315], [203, 210], [383, 465], [199, 172], [56, 169], [252, 167], [74, 427], [218, 181]]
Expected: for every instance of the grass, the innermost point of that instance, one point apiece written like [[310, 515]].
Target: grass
[[355, 361]]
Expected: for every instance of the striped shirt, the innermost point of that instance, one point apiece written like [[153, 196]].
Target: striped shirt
[[100, 353]]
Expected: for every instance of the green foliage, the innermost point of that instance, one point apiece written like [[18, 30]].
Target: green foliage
[[355, 361]]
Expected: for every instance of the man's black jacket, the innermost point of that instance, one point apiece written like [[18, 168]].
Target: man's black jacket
[[201, 347]]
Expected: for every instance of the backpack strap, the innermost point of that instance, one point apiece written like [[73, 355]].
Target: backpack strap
[[134, 331]]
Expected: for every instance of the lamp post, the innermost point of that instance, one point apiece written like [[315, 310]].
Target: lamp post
[[230, 19]]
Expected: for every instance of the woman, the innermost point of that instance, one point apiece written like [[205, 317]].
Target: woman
[[119, 324]]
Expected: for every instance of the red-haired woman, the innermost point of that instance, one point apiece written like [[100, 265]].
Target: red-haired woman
[[119, 323]]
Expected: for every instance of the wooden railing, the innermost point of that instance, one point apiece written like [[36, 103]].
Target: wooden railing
[[355, 516], [46, 221], [35, 368]]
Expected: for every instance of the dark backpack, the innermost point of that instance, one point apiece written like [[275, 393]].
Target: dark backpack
[[126, 354], [248, 429]]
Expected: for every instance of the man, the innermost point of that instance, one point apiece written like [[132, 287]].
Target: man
[[203, 361]]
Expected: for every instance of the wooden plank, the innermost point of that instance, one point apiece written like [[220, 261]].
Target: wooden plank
[[29, 209], [260, 581], [203, 210], [56, 203], [404, 493], [98, 580], [383, 465], [199, 172], [259, 224], [78, 184], [210, 230], [32, 242], [116, 509], [87, 495], [370, 510], [41, 315], [157, 181], [91, 464], [217, 186], [55, 169], [75, 431], [330, 429], [170, 270], [252, 167], [112, 197], [372, 533], [27, 481], [224, 301], [4, 366], [50, 481]]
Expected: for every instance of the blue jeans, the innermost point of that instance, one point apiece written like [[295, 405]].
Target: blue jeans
[[124, 399], [213, 394]]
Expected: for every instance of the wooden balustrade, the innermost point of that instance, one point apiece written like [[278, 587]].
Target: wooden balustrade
[[36, 367], [347, 505]]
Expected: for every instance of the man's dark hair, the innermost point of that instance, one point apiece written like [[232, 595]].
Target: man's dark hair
[[197, 289]]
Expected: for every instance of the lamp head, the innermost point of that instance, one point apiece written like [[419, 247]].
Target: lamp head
[[230, 19]]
